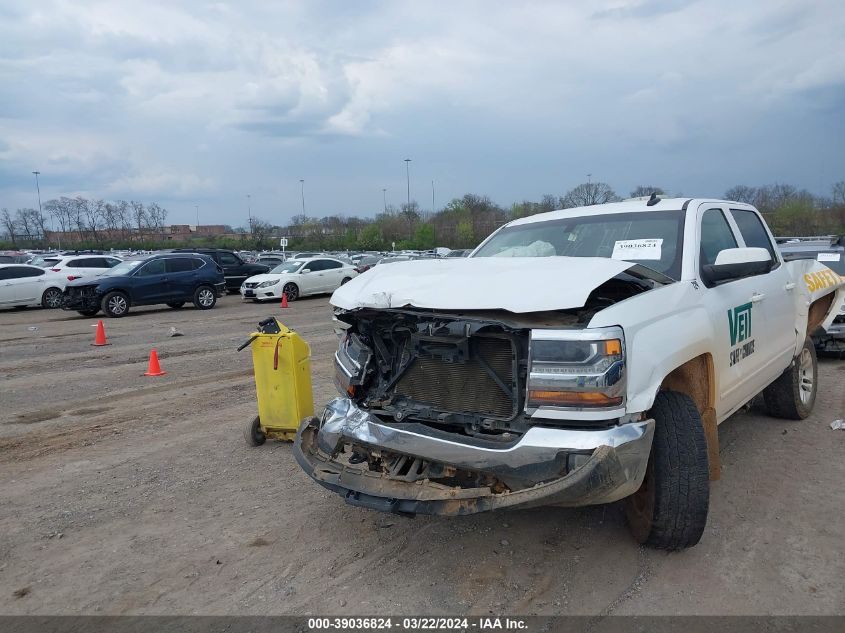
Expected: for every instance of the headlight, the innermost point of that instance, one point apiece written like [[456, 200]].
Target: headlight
[[351, 361], [576, 369], [267, 284]]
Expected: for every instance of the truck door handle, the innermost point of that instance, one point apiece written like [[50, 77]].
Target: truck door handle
[[757, 296], [789, 286]]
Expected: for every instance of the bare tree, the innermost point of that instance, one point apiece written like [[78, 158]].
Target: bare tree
[[646, 190], [9, 225], [589, 193], [139, 215], [742, 193], [156, 216]]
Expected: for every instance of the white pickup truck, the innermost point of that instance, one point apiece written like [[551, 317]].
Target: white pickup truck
[[577, 357]]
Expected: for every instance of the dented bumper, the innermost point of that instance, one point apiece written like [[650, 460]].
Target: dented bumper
[[535, 468]]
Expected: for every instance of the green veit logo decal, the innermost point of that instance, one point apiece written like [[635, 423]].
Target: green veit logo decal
[[739, 323]]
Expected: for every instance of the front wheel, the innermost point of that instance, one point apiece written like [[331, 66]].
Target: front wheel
[[793, 394], [291, 290], [115, 304], [669, 511], [204, 298], [52, 298]]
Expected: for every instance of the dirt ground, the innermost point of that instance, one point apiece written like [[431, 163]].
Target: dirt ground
[[130, 495]]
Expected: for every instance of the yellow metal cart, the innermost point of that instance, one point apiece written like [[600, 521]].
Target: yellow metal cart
[[281, 362]]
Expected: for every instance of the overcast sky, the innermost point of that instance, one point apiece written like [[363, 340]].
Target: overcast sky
[[194, 103]]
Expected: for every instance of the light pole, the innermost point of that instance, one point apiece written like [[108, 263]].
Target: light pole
[[40, 212], [408, 178], [197, 207], [302, 183], [249, 212], [384, 195], [432, 197]]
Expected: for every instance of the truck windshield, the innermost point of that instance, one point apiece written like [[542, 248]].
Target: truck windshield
[[651, 238]]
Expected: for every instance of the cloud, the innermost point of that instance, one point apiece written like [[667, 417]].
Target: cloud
[[215, 100]]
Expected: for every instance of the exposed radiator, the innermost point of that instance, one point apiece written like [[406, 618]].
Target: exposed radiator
[[465, 387]]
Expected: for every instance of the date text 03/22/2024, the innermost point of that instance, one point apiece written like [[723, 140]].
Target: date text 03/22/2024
[[418, 624]]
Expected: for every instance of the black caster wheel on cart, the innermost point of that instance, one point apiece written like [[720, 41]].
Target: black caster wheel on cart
[[253, 433]]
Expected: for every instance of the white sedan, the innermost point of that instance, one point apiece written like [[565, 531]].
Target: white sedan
[[299, 278], [23, 285]]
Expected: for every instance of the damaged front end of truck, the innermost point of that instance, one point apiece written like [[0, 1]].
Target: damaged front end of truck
[[461, 411]]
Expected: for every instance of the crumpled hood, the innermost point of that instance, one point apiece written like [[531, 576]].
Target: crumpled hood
[[516, 284]]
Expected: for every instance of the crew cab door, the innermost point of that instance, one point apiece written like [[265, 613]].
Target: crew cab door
[[233, 270], [741, 332]]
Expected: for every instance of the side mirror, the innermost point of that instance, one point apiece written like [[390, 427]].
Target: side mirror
[[307, 270], [736, 263]]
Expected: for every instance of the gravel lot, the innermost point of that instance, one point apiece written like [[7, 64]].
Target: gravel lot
[[130, 495]]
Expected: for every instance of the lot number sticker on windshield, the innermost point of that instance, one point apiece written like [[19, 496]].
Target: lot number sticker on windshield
[[828, 257], [637, 249]]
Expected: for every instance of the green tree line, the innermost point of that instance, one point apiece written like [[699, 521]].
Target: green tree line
[[462, 223]]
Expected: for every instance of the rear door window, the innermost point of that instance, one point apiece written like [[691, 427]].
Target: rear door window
[[227, 259], [21, 272], [179, 264]]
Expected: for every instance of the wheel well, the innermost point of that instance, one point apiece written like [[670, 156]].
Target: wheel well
[[818, 311], [695, 378]]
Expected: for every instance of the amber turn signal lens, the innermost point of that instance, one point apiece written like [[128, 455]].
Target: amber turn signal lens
[[573, 398], [613, 347]]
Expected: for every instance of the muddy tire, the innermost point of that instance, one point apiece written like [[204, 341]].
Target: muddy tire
[[51, 299], [205, 298], [793, 394], [115, 304], [669, 511], [253, 434]]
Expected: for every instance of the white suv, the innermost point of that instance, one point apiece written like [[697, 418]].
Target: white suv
[[63, 268]]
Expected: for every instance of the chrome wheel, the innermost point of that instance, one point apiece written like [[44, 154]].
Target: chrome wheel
[[117, 305], [205, 297], [291, 291], [52, 298], [806, 376]]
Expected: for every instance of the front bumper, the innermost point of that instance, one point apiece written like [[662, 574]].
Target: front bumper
[[269, 292], [80, 302], [534, 466]]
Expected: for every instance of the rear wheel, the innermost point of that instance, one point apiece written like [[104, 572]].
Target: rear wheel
[[176, 304], [253, 434], [793, 394], [292, 291], [205, 298], [345, 279], [52, 298], [669, 511], [115, 304]]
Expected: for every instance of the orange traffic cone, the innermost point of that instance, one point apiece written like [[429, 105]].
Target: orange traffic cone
[[284, 300], [100, 338], [154, 369]]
